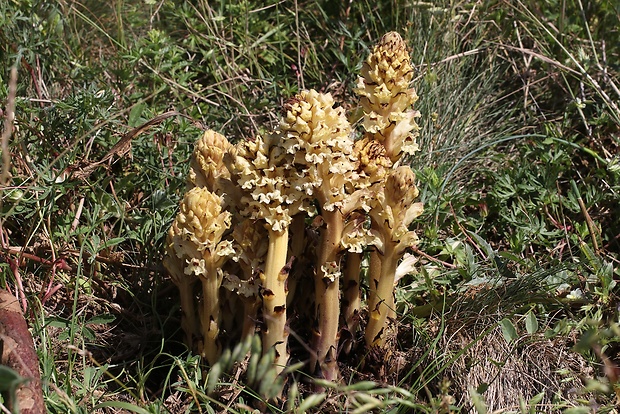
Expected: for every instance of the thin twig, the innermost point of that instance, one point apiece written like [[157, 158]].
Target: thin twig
[[9, 118], [589, 222], [465, 233], [78, 214], [5, 175], [22, 254], [432, 259]]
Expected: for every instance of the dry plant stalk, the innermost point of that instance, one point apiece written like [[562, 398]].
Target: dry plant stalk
[[17, 352], [253, 203]]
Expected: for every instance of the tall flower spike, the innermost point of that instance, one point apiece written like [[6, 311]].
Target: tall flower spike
[[386, 97], [262, 169], [319, 136], [391, 217], [195, 237]]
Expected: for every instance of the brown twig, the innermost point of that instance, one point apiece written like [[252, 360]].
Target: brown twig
[[465, 233], [589, 223], [432, 259], [60, 263], [123, 145], [5, 175], [9, 118]]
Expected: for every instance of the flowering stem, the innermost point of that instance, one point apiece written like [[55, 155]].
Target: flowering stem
[[188, 313], [327, 297], [250, 310], [381, 296], [210, 319], [298, 241], [274, 297], [351, 287]]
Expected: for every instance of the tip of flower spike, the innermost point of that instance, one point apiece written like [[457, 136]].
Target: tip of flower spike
[[391, 38], [207, 162]]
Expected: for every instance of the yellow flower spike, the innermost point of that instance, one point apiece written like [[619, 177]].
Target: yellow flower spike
[[195, 238], [320, 138], [391, 215], [373, 160], [386, 97], [399, 208], [263, 169]]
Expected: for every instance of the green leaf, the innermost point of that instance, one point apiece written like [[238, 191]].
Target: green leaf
[[508, 330], [531, 323], [479, 404], [134, 115], [488, 250], [578, 410], [113, 242], [360, 386], [102, 319], [122, 405], [535, 400], [214, 377], [311, 402], [9, 379]]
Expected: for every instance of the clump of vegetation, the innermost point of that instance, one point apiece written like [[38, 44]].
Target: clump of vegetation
[[309, 175]]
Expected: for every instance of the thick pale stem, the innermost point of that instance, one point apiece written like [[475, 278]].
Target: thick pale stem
[[250, 306], [327, 297], [189, 320], [351, 286], [186, 284], [298, 241], [210, 320], [381, 296], [274, 298], [351, 302]]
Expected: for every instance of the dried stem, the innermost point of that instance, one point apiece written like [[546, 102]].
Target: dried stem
[[9, 118]]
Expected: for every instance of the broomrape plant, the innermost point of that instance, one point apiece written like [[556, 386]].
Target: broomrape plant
[[306, 190]]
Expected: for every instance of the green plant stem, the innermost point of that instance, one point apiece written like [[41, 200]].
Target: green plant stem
[[210, 320], [274, 298], [327, 296], [381, 296]]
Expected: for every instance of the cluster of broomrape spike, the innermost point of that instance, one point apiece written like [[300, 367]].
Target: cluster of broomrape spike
[[273, 227]]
